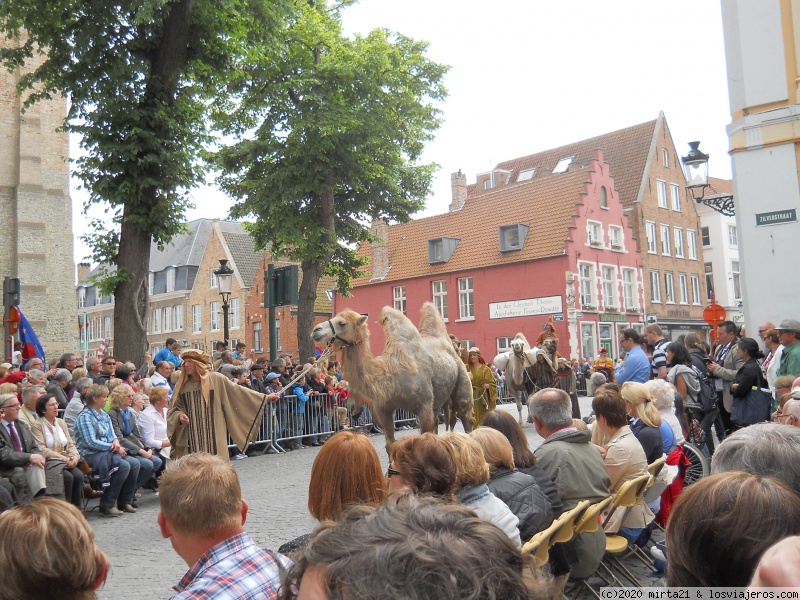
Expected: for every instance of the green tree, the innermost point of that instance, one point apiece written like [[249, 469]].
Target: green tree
[[141, 77], [328, 138]]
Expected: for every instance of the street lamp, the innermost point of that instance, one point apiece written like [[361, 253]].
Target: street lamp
[[224, 282], [695, 167]]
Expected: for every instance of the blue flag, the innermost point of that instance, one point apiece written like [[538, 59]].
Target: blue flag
[[30, 343]]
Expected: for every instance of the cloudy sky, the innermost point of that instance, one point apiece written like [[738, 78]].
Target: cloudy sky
[[527, 75]]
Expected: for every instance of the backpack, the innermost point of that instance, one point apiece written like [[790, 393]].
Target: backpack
[[707, 396]]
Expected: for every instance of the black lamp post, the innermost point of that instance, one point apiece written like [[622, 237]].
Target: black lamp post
[[224, 281], [695, 167]]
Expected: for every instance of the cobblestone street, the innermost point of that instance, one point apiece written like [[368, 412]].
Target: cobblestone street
[[143, 564]]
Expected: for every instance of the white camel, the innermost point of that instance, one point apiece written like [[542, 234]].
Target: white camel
[[418, 371], [516, 363]]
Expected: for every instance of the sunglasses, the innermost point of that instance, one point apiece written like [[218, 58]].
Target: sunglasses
[[390, 471]]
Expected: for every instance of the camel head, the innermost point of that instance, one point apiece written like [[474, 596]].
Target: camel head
[[346, 329], [517, 346], [550, 345]]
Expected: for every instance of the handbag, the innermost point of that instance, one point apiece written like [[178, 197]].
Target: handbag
[[753, 408]]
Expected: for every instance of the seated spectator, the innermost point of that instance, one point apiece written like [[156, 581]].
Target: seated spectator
[[76, 405], [646, 420], [473, 475], [29, 396], [153, 422], [624, 459], [346, 471], [77, 373], [58, 387], [64, 478], [721, 525], [415, 548], [517, 490], [48, 550], [108, 367], [574, 465], [423, 464], [780, 565], [783, 390], [100, 447], [138, 402], [8, 388], [20, 458], [203, 515], [766, 449], [663, 394], [127, 432], [790, 414], [161, 377]]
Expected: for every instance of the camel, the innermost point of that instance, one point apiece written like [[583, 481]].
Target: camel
[[418, 371], [516, 364], [449, 412]]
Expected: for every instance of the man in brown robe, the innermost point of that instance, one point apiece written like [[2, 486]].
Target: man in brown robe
[[207, 407]]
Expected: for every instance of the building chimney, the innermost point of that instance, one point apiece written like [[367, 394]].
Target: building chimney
[[380, 248], [458, 183], [84, 269]]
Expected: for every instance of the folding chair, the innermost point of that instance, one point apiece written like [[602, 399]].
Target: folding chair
[[629, 494], [539, 544], [589, 522]]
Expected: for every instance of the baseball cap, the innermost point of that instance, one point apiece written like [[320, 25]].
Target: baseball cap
[[273, 376]]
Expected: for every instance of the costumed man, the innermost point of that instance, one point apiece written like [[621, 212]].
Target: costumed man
[[484, 385], [566, 380], [548, 333], [206, 407], [605, 365]]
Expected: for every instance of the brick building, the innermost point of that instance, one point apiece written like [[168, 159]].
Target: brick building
[[652, 189], [36, 242], [556, 246]]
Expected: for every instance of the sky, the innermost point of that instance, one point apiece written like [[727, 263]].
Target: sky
[[527, 75]]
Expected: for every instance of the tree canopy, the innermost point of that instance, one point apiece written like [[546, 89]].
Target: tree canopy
[[141, 77], [329, 137]]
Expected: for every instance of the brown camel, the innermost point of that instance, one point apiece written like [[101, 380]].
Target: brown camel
[[418, 371]]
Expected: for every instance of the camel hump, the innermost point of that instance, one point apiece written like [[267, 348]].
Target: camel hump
[[430, 323]]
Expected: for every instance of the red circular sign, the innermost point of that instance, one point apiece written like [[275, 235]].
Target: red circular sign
[[714, 314]]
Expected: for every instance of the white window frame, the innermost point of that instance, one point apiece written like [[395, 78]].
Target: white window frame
[[214, 280], [278, 335], [675, 193], [466, 299], [708, 269], [107, 326], [691, 243], [156, 320], [665, 157], [81, 297], [702, 237], [151, 282], [733, 236], [166, 319], [655, 286], [587, 277], [683, 289], [234, 314], [661, 193], [666, 242], [439, 292], [399, 298], [170, 279], [608, 276], [257, 337], [590, 340], [678, 234], [652, 237], [696, 293], [629, 288], [669, 287], [215, 316], [616, 237], [736, 279], [177, 317], [594, 234], [503, 344], [197, 318]]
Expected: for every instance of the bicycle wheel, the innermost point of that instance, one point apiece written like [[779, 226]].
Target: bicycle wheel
[[700, 466]]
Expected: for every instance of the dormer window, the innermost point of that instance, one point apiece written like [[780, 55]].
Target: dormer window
[[151, 282], [81, 297], [512, 237], [525, 175], [563, 164], [441, 249], [170, 279]]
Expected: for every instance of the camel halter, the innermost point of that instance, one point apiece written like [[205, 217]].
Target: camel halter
[[341, 340]]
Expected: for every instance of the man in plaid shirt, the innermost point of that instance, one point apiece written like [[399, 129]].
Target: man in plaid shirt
[[203, 515]]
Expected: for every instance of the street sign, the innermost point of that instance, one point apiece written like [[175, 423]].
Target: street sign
[[652, 319], [558, 317], [714, 314], [776, 217]]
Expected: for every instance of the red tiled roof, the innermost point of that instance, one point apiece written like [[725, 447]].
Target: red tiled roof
[[546, 204], [625, 150], [719, 186]]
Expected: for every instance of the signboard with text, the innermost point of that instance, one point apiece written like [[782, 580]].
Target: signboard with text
[[529, 307], [776, 217]]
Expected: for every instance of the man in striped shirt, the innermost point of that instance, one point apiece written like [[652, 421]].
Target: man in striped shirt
[[203, 515]]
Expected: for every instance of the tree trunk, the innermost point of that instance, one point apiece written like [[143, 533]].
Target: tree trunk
[[312, 273], [131, 296]]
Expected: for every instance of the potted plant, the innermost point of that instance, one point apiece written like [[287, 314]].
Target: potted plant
[[589, 307], [633, 311], [596, 243], [616, 246], [612, 309]]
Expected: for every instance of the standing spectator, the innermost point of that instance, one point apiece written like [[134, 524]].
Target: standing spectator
[[636, 367], [203, 515], [162, 374], [663, 394], [574, 465], [96, 443], [20, 458], [58, 387], [317, 393], [749, 375], [789, 335], [53, 438], [773, 361], [654, 336], [725, 366]]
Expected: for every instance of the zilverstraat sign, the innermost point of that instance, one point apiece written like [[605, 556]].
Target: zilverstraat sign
[[529, 307], [776, 217]]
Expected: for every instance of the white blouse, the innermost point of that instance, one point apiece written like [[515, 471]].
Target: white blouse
[[53, 434]]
